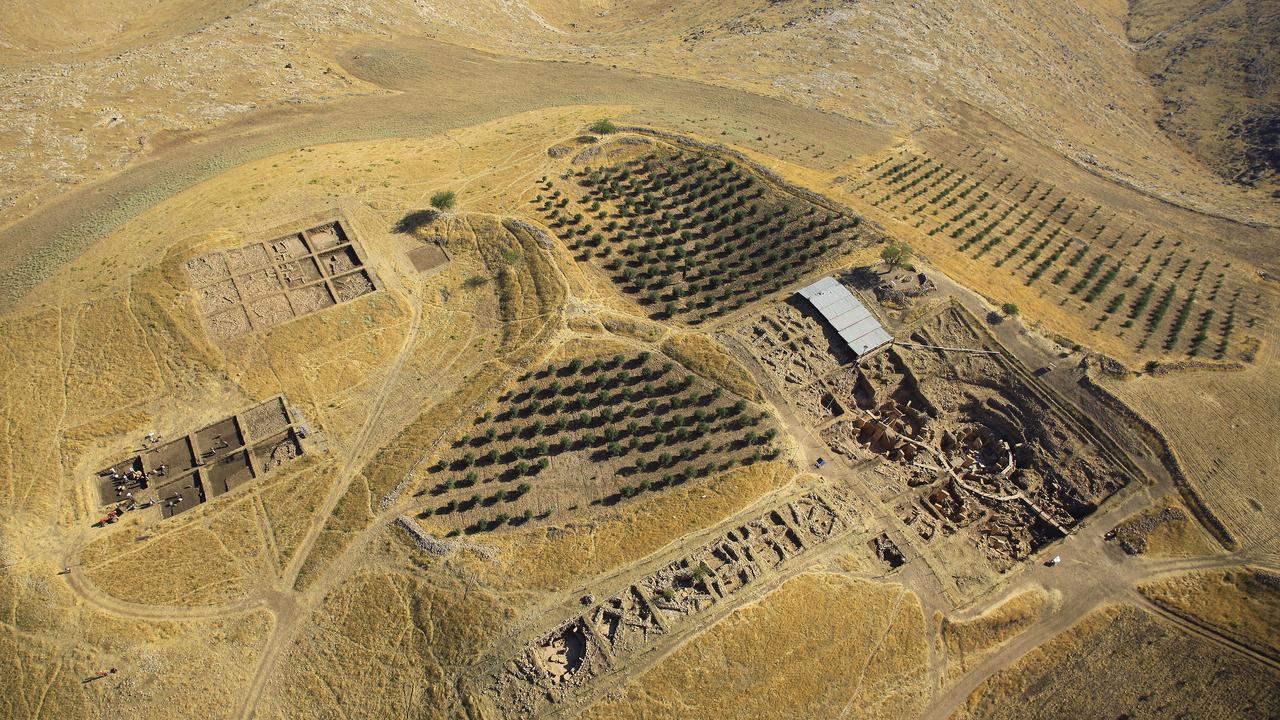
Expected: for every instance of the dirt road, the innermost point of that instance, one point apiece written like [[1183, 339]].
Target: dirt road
[[434, 87]]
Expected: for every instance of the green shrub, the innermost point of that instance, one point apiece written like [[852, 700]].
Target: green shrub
[[444, 200], [603, 126]]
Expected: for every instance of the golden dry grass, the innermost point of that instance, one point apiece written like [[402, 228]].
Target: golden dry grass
[[559, 557], [1122, 662], [1242, 603], [967, 642], [353, 513], [208, 557], [31, 393], [109, 364], [49, 645], [863, 647], [703, 356], [290, 503], [165, 667], [1222, 428], [385, 644]]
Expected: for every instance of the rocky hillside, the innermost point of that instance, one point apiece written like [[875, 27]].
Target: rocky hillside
[[86, 103], [1216, 65]]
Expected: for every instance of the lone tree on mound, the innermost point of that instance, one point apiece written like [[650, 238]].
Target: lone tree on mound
[[603, 126], [444, 200], [896, 254]]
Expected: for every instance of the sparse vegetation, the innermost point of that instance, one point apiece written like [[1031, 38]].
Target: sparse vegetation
[[603, 126], [444, 200]]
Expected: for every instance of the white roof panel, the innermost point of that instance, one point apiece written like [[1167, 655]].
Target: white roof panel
[[825, 292], [862, 327], [870, 341], [855, 324]]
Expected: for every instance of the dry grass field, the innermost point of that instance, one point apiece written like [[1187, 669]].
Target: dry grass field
[[1243, 603], [563, 444], [1121, 654], [967, 641], [863, 643], [1222, 428]]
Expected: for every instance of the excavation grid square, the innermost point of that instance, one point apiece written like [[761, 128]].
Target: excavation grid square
[[262, 285], [183, 473]]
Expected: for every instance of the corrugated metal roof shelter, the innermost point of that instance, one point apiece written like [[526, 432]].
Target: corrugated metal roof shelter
[[855, 324]]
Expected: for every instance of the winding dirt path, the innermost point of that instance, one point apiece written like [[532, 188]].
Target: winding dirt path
[[1084, 590], [434, 87], [99, 600], [287, 599]]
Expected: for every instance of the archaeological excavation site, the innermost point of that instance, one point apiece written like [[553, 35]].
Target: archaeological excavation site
[[751, 360], [263, 284]]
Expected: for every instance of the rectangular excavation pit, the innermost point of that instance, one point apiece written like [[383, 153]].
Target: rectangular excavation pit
[[270, 311], [264, 284], [297, 273], [339, 261], [428, 257], [278, 451], [227, 473], [179, 496], [769, 541], [217, 297], [326, 236], [886, 551], [248, 258], [218, 439], [172, 478], [311, 298], [287, 248], [730, 570], [207, 269], [175, 457], [257, 283], [353, 285], [265, 420], [116, 482]]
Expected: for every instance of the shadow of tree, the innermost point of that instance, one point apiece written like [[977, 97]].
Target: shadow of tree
[[416, 220], [861, 278]]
